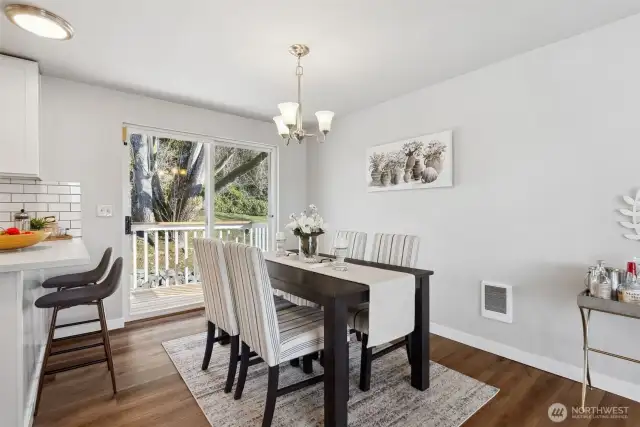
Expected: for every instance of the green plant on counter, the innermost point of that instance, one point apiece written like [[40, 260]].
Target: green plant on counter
[[38, 223]]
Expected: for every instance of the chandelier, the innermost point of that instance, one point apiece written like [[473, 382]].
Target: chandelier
[[289, 122]]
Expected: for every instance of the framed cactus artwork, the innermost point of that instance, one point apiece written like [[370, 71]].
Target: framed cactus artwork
[[410, 164]]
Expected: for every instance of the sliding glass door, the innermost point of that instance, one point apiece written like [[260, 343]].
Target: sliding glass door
[[182, 186], [242, 187]]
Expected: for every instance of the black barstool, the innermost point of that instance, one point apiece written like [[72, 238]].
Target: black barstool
[[75, 280], [67, 298]]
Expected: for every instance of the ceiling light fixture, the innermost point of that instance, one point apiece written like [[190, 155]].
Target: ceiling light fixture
[[289, 123], [39, 21]]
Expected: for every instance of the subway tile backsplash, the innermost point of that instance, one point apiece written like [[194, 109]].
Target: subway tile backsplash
[[33, 189], [61, 200]]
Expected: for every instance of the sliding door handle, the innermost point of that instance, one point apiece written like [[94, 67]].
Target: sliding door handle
[[127, 225]]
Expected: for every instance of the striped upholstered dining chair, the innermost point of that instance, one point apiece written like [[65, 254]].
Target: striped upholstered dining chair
[[393, 249], [357, 244], [276, 336], [219, 302]]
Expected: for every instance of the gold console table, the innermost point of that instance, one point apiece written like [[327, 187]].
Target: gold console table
[[587, 304]]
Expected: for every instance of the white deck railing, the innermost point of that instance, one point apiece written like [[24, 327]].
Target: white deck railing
[[163, 253]]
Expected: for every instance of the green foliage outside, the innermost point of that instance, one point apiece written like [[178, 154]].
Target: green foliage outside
[[235, 200], [167, 179]]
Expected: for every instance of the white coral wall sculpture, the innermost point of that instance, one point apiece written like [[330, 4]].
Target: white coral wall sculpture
[[634, 214]]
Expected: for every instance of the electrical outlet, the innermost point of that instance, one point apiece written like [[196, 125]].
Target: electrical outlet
[[104, 210]]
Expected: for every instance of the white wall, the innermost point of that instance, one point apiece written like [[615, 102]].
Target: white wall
[[545, 145], [81, 140]]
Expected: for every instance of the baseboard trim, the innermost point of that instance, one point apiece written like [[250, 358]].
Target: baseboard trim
[[33, 390], [88, 327], [572, 372]]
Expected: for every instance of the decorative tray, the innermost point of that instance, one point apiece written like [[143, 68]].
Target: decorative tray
[[608, 306]]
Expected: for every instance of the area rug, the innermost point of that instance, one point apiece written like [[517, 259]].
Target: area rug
[[451, 399]]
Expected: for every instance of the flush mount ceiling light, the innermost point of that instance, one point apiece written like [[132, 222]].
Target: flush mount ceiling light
[[289, 123], [39, 21]]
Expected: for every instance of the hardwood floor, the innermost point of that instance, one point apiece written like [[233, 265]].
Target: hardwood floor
[[151, 393]]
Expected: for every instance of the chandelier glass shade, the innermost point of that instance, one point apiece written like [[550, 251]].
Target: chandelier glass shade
[[289, 122]]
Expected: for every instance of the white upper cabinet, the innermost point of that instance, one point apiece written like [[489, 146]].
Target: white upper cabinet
[[19, 124]]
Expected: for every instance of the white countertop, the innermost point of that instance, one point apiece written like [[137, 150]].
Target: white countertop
[[64, 253]]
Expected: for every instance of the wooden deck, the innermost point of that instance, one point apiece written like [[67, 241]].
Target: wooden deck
[[146, 303]]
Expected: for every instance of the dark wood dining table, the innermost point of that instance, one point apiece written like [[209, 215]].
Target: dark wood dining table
[[335, 295]]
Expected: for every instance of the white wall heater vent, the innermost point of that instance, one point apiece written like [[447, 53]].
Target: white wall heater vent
[[496, 301]]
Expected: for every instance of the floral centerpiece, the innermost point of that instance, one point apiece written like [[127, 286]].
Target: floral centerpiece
[[307, 227]]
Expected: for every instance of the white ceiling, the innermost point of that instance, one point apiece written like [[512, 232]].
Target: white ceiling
[[232, 55]]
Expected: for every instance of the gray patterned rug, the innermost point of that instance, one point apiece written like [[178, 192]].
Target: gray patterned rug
[[449, 402]]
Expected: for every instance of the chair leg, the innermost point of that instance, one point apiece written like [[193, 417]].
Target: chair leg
[[358, 336], [242, 377], [107, 344], [365, 364], [408, 346], [295, 362], [104, 346], [211, 335], [307, 364], [272, 394], [233, 363], [47, 351], [322, 358]]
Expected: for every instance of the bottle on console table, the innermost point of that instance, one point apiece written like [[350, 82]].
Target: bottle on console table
[[599, 282], [629, 291]]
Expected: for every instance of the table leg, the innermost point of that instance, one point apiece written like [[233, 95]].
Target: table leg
[[588, 363], [420, 337], [336, 364], [586, 375]]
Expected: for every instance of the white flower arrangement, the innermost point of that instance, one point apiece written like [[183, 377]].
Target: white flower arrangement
[[308, 223]]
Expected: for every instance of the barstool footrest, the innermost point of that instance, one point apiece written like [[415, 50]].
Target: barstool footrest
[[82, 347], [84, 322], [80, 365], [70, 337]]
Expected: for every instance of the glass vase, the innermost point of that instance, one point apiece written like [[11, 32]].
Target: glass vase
[[308, 249]]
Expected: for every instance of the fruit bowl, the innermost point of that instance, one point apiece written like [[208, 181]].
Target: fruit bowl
[[10, 242]]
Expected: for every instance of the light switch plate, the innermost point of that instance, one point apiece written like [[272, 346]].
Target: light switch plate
[[104, 210]]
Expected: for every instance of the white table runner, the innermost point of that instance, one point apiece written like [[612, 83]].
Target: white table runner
[[391, 296]]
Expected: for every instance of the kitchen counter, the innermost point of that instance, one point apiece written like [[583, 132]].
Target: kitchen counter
[[23, 326], [61, 253]]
